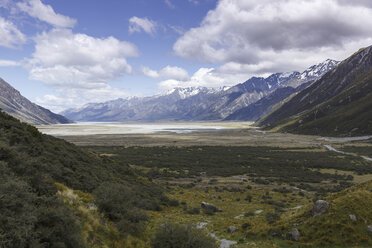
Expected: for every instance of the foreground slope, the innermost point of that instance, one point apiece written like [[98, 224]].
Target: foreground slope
[[33, 210], [12, 102], [346, 223], [337, 104]]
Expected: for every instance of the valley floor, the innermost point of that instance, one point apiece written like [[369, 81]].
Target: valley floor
[[265, 183]]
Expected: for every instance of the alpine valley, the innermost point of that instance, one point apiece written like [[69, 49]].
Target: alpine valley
[[229, 185]]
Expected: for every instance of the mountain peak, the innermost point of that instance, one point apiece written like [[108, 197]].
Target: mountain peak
[[187, 91], [319, 70]]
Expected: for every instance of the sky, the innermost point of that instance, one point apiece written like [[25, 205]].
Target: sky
[[66, 53]]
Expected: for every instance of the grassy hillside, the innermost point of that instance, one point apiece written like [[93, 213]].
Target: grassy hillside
[[31, 212], [338, 104], [335, 227], [349, 113]]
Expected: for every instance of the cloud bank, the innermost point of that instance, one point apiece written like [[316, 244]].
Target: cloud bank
[[258, 37]]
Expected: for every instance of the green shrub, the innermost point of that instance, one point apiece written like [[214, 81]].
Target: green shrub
[[193, 211], [272, 217], [177, 236]]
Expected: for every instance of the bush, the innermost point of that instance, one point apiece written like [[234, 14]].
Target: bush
[[116, 201], [177, 236], [272, 217], [193, 211], [248, 214], [173, 203], [208, 211], [248, 198], [246, 225]]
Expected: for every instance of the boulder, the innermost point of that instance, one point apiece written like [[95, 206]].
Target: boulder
[[320, 207], [209, 205], [295, 235], [353, 217], [369, 229], [232, 229]]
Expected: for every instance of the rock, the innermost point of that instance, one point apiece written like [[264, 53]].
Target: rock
[[320, 207], [258, 211], [202, 225], [369, 229], [295, 235], [232, 229], [353, 217], [209, 205], [227, 243]]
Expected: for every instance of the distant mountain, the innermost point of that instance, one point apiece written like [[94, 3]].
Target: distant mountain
[[295, 83], [339, 103], [13, 103], [254, 111], [196, 103]]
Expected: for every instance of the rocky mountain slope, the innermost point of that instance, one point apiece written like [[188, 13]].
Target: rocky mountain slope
[[198, 104], [12, 102], [298, 82], [337, 104]]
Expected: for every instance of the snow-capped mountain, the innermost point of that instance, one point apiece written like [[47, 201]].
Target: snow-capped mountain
[[189, 91], [312, 73], [197, 103], [286, 85], [13, 103]]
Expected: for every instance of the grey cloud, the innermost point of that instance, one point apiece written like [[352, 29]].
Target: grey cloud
[[245, 31]]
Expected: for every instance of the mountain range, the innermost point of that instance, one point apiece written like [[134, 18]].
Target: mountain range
[[204, 104], [331, 98], [339, 103], [13, 103]]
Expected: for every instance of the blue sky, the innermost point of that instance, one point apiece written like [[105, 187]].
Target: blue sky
[[65, 53]]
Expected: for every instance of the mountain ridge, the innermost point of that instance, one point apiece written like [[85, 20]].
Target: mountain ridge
[[195, 103], [13, 103]]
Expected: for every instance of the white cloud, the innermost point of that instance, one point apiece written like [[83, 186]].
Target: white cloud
[[9, 63], [36, 9], [169, 72], [79, 60], [179, 30], [169, 4], [10, 36], [71, 98], [203, 77], [266, 36], [137, 24], [149, 73], [81, 67], [174, 72]]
